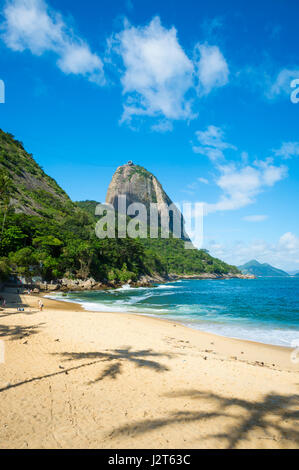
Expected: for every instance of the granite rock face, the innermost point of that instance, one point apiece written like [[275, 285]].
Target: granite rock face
[[141, 186]]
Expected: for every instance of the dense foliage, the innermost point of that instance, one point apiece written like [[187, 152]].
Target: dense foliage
[[178, 260], [44, 233], [33, 246], [88, 206], [173, 257]]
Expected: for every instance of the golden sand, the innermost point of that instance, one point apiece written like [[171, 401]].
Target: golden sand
[[78, 379]]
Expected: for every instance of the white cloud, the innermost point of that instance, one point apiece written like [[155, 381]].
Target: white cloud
[[211, 68], [203, 180], [255, 218], [31, 24], [288, 150], [283, 254], [282, 83], [211, 143], [239, 182], [157, 76], [157, 72], [212, 153], [270, 174], [240, 186], [77, 59], [290, 242], [213, 137]]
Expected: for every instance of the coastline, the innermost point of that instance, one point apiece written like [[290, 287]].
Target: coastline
[[79, 379], [268, 348], [84, 305], [80, 285]]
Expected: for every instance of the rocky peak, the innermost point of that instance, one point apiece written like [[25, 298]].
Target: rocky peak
[[139, 185]]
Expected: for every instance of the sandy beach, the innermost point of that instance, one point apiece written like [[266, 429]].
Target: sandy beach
[[78, 379]]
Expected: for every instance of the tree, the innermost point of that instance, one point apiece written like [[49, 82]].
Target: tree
[[78, 256], [12, 239], [24, 262], [49, 244]]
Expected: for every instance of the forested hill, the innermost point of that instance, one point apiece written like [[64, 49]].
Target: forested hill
[[33, 192], [43, 233], [262, 269]]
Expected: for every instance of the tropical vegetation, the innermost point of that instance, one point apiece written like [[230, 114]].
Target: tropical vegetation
[[45, 234]]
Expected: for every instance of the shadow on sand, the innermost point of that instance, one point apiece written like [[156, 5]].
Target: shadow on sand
[[116, 356], [141, 358], [4, 314], [18, 332], [276, 417]]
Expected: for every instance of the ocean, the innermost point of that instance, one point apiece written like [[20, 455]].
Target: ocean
[[265, 310]]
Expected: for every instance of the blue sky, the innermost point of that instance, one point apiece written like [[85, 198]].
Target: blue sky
[[197, 92]]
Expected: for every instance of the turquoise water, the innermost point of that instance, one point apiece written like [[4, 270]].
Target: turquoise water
[[264, 310]]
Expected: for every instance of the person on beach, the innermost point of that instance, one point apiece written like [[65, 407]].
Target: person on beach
[[41, 305]]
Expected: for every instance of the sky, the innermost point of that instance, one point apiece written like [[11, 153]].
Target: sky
[[205, 95]]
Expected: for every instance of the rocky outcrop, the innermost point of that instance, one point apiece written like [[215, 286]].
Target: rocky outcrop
[[141, 186], [175, 277], [66, 284], [149, 280], [78, 285]]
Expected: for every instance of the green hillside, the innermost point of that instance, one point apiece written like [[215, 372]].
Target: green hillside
[[261, 270], [172, 255], [88, 206], [33, 192], [43, 233], [178, 260]]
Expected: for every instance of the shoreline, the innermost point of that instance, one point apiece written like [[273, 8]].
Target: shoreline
[[169, 320], [68, 285], [70, 306], [158, 317], [73, 379]]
